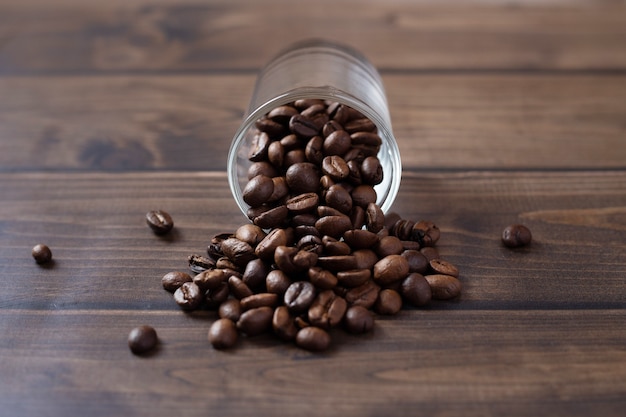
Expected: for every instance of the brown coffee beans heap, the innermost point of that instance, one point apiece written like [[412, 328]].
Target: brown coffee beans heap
[[319, 253]]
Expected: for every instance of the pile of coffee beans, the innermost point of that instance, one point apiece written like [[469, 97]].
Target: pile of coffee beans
[[318, 252]]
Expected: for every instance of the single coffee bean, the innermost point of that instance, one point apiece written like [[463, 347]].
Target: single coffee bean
[[365, 258], [390, 269], [280, 189], [327, 310], [277, 282], [173, 280], [374, 218], [439, 266], [230, 309], [254, 273], [430, 253], [337, 262], [262, 168], [311, 243], [290, 142], [294, 156], [314, 150], [210, 279], [444, 287], [389, 245], [360, 239], [426, 233], [271, 218], [313, 338], [358, 319], [358, 217], [362, 124], [258, 150], [335, 167], [321, 278], [516, 235], [353, 277], [256, 321], [266, 248], [224, 263], [283, 324], [302, 178], [223, 334], [337, 143], [214, 297], [299, 296], [259, 300], [272, 128], [389, 302], [238, 251], [417, 261], [391, 219], [142, 339], [369, 140], [41, 253], [330, 127], [189, 296], [276, 153], [303, 127], [282, 114], [363, 195], [303, 203], [199, 263], [333, 226], [334, 247], [159, 221], [339, 198], [371, 171], [238, 288], [364, 295], [416, 290], [258, 190], [250, 233]]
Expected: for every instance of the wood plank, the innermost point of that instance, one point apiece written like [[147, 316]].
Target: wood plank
[[186, 122], [148, 36], [449, 363], [107, 258]]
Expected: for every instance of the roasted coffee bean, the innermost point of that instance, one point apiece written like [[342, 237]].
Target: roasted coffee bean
[[417, 261], [313, 338], [360, 239], [238, 251], [159, 221], [324, 211], [258, 150], [374, 218], [304, 231], [353, 277], [256, 321], [223, 334], [391, 219], [188, 296], [403, 229], [335, 167], [430, 253], [321, 278], [339, 198], [299, 296], [262, 168], [283, 324], [258, 190], [41, 253], [389, 245], [367, 139], [272, 128], [277, 282], [362, 124], [365, 258], [199, 263], [302, 177], [290, 260], [358, 319], [444, 287], [238, 288], [389, 302], [303, 127], [280, 189], [282, 114], [516, 235], [439, 266], [334, 226], [426, 233], [274, 217], [290, 142], [327, 310], [330, 127], [334, 247], [230, 309], [250, 233], [371, 171], [275, 238], [337, 262], [210, 279], [225, 263], [314, 150], [255, 272], [337, 143], [390, 269], [354, 177], [294, 156], [357, 217], [363, 195], [416, 290], [303, 203], [259, 300], [142, 339], [214, 297], [311, 243], [276, 154], [364, 295], [173, 280]]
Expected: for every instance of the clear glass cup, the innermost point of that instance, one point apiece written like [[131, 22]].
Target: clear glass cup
[[319, 69]]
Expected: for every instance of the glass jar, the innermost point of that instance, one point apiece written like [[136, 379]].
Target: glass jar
[[318, 69]]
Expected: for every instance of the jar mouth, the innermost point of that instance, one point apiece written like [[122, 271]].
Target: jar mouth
[[389, 154]]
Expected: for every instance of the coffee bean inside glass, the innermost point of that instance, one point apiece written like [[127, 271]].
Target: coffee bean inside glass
[[318, 117]]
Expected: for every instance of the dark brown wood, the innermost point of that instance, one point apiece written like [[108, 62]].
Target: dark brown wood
[[504, 112]]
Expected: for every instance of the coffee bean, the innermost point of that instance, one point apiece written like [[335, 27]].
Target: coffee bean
[[313, 338], [303, 203], [188, 296], [334, 226], [223, 334], [238, 251], [426, 233], [259, 300], [173, 280], [238, 288], [327, 310], [283, 324], [311, 243], [303, 127], [389, 302], [230, 309], [299, 296], [364, 295], [430, 253], [258, 190], [360, 125], [275, 238], [365, 258], [321, 278], [374, 218], [339, 198], [271, 218], [159, 221], [358, 319], [444, 287], [250, 233], [214, 297], [360, 239], [363, 195], [302, 177], [337, 143], [416, 290], [41, 253], [439, 266], [417, 261], [371, 171], [276, 153], [390, 269], [210, 279], [353, 277], [389, 245], [334, 247], [272, 128], [280, 189], [337, 263], [516, 235], [262, 168], [256, 321], [254, 273], [199, 263], [335, 167], [142, 339], [258, 150]]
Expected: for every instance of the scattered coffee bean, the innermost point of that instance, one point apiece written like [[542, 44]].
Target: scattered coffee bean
[[142, 339], [358, 319], [516, 235], [42, 253], [223, 334], [188, 296], [313, 338], [444, 287], [173, 280], [159, 221]]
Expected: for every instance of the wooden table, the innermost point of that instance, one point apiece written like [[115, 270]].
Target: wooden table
[[505, 112]]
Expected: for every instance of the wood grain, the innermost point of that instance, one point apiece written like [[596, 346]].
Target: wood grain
[[186, 122], [148, 36]]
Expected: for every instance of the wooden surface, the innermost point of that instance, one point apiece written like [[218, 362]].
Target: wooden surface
[[504, 112]]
